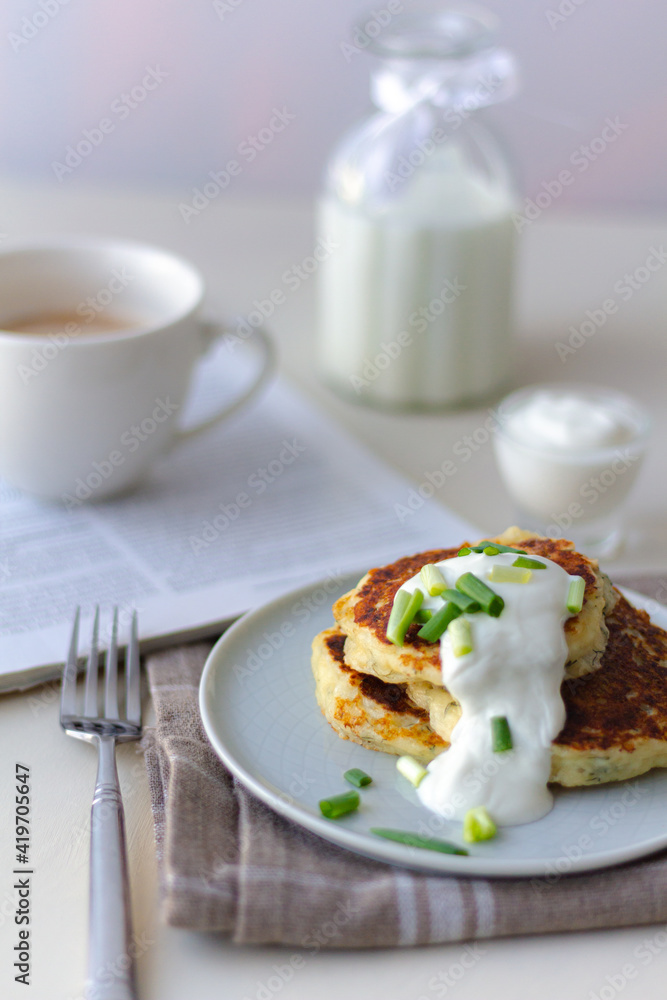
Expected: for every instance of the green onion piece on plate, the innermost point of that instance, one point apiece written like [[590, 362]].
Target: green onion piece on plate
[[415, 840], [339, 805], [478, 825], [501, 736], [403, 611], [460, 636], [461, 601], [509, 574], [411, 769], [357, 777], [526, 563], [437, 626], [491, 550], [575, 595], [433, 580], [465, 551], [488, 600]]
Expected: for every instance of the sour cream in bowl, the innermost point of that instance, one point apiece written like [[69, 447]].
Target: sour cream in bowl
[[569, 454]]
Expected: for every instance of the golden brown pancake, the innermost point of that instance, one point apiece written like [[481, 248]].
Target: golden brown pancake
[[362, 708], [363, 613], [616, 722]]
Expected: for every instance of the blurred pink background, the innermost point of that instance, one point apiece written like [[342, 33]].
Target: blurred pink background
[[218, 69]]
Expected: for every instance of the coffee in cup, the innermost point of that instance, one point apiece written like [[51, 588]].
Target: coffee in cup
[[97, 337], [44, 323]]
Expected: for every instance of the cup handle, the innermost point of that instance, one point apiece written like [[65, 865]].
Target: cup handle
[[212, 331]]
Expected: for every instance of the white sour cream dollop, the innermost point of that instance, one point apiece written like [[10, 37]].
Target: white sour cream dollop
[[515, 670], [565, 421]]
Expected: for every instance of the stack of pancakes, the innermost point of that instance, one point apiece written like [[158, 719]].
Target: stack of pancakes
[[392, 698]]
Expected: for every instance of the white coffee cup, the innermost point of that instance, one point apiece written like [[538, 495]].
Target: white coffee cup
[[120, 356]]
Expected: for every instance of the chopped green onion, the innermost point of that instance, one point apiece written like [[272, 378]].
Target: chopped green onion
[[501, 737], [357, 777], [403, 611], [411, 769], [489, 601], [423, 615], [465, 551], [461, 636], [529, 563], [497, 545], [509, 574], [415, 840], [575, 594], [491, 550], [433, 629], [398, 608], [478, 825], [339, 805], [433, 580], [462, 601]]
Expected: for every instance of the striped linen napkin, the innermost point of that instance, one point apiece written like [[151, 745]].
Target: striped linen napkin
[[229, 863]]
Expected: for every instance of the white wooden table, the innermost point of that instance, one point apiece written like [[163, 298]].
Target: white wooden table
[[567, 266]]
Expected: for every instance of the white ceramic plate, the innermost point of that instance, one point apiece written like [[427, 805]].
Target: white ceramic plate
[[257, 700]]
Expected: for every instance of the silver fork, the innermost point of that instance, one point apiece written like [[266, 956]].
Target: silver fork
[[110, 958]]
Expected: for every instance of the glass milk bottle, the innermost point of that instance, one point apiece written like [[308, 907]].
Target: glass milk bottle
[[416, 293]]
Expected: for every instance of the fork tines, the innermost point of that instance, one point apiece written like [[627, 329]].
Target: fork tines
[[112, 714]]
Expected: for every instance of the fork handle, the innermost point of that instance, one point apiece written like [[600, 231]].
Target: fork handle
[[110, 956]]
